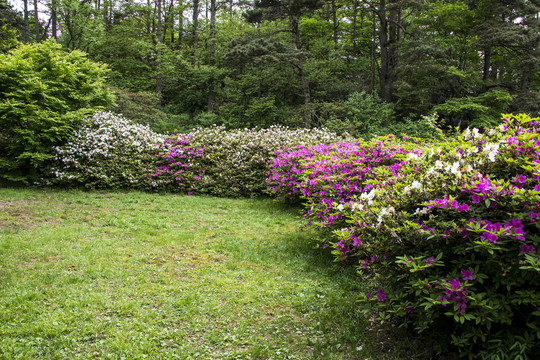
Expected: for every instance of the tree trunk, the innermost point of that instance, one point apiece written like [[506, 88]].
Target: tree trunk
[[373, 59], [487, 64], [195, 31], [54, 20], [388, 40], [525, 80], [355, 29], [385, 72], [335, 23], [305, 83], [36, 20], [26, 34], [158, 53], [211, 89], [171, 20], [180, 23]]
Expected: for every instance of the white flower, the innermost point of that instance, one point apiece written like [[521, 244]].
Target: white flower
[[366, 196], [416, 185], [340, 207], [467, 134], [454, 168], [357, 206]]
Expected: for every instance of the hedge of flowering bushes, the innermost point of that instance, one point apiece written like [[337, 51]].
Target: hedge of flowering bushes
[[228, 163], [112, 152], [107, 152], [445, 234]]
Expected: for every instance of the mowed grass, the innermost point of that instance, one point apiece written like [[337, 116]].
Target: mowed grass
[[112, 275]]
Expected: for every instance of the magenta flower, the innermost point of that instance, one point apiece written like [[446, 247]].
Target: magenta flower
[[527, 249], [381, 296], [466, 275]]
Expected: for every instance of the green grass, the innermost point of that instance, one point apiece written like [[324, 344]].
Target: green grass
[[113, 275]]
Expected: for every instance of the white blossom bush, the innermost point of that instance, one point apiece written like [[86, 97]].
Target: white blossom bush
[[229, 163], [108, 152]]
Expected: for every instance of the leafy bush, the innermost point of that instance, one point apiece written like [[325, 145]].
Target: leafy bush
[[445, 234], [45, 94], [141, 108], [229, 163], [480, 111], [368, 114], [109, 152]]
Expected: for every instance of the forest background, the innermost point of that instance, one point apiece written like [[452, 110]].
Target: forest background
[[354, 66]]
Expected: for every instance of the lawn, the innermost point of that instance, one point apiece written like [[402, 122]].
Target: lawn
[[114, 275]]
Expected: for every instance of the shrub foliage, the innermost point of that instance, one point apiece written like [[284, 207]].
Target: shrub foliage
[[445, 234], [229, 163], [45, 94], [108, 152]]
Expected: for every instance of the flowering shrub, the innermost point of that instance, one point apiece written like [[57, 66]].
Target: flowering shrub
[[108, 152], [445, 234], [229, 163], [329, 176]]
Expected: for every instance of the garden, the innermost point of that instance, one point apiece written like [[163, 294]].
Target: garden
[[126, 243]]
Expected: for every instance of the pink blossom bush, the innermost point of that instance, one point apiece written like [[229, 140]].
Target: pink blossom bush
[[446, 234]]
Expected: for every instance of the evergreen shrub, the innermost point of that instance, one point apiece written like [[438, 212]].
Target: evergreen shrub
[[108, 152], [445, 233], [45, 94]]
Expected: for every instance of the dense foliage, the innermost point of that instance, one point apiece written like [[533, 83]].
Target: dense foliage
[[108, 152], [446, 234], [45, 94], [229, 163], [302, 62]]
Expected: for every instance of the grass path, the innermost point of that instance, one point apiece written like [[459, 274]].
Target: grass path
[[112, 275]]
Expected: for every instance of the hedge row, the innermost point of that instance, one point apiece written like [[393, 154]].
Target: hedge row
[[111, 152]]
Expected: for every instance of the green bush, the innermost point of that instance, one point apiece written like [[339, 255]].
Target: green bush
[[140, 107], [45, 94], [108, 152]]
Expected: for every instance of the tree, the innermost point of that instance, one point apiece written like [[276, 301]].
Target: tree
[[292, 11], [11, 26], [79, 26], [45, 94], [509, 37]]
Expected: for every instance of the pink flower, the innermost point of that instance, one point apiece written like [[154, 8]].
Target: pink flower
[[466, 275], [381, 296]]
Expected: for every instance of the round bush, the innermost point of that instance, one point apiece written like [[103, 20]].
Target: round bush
[[108, 152], [446, 235]]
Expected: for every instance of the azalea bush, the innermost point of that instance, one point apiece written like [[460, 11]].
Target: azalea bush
[[229, 163], [327, 177], [445, 234], [108, 152]]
